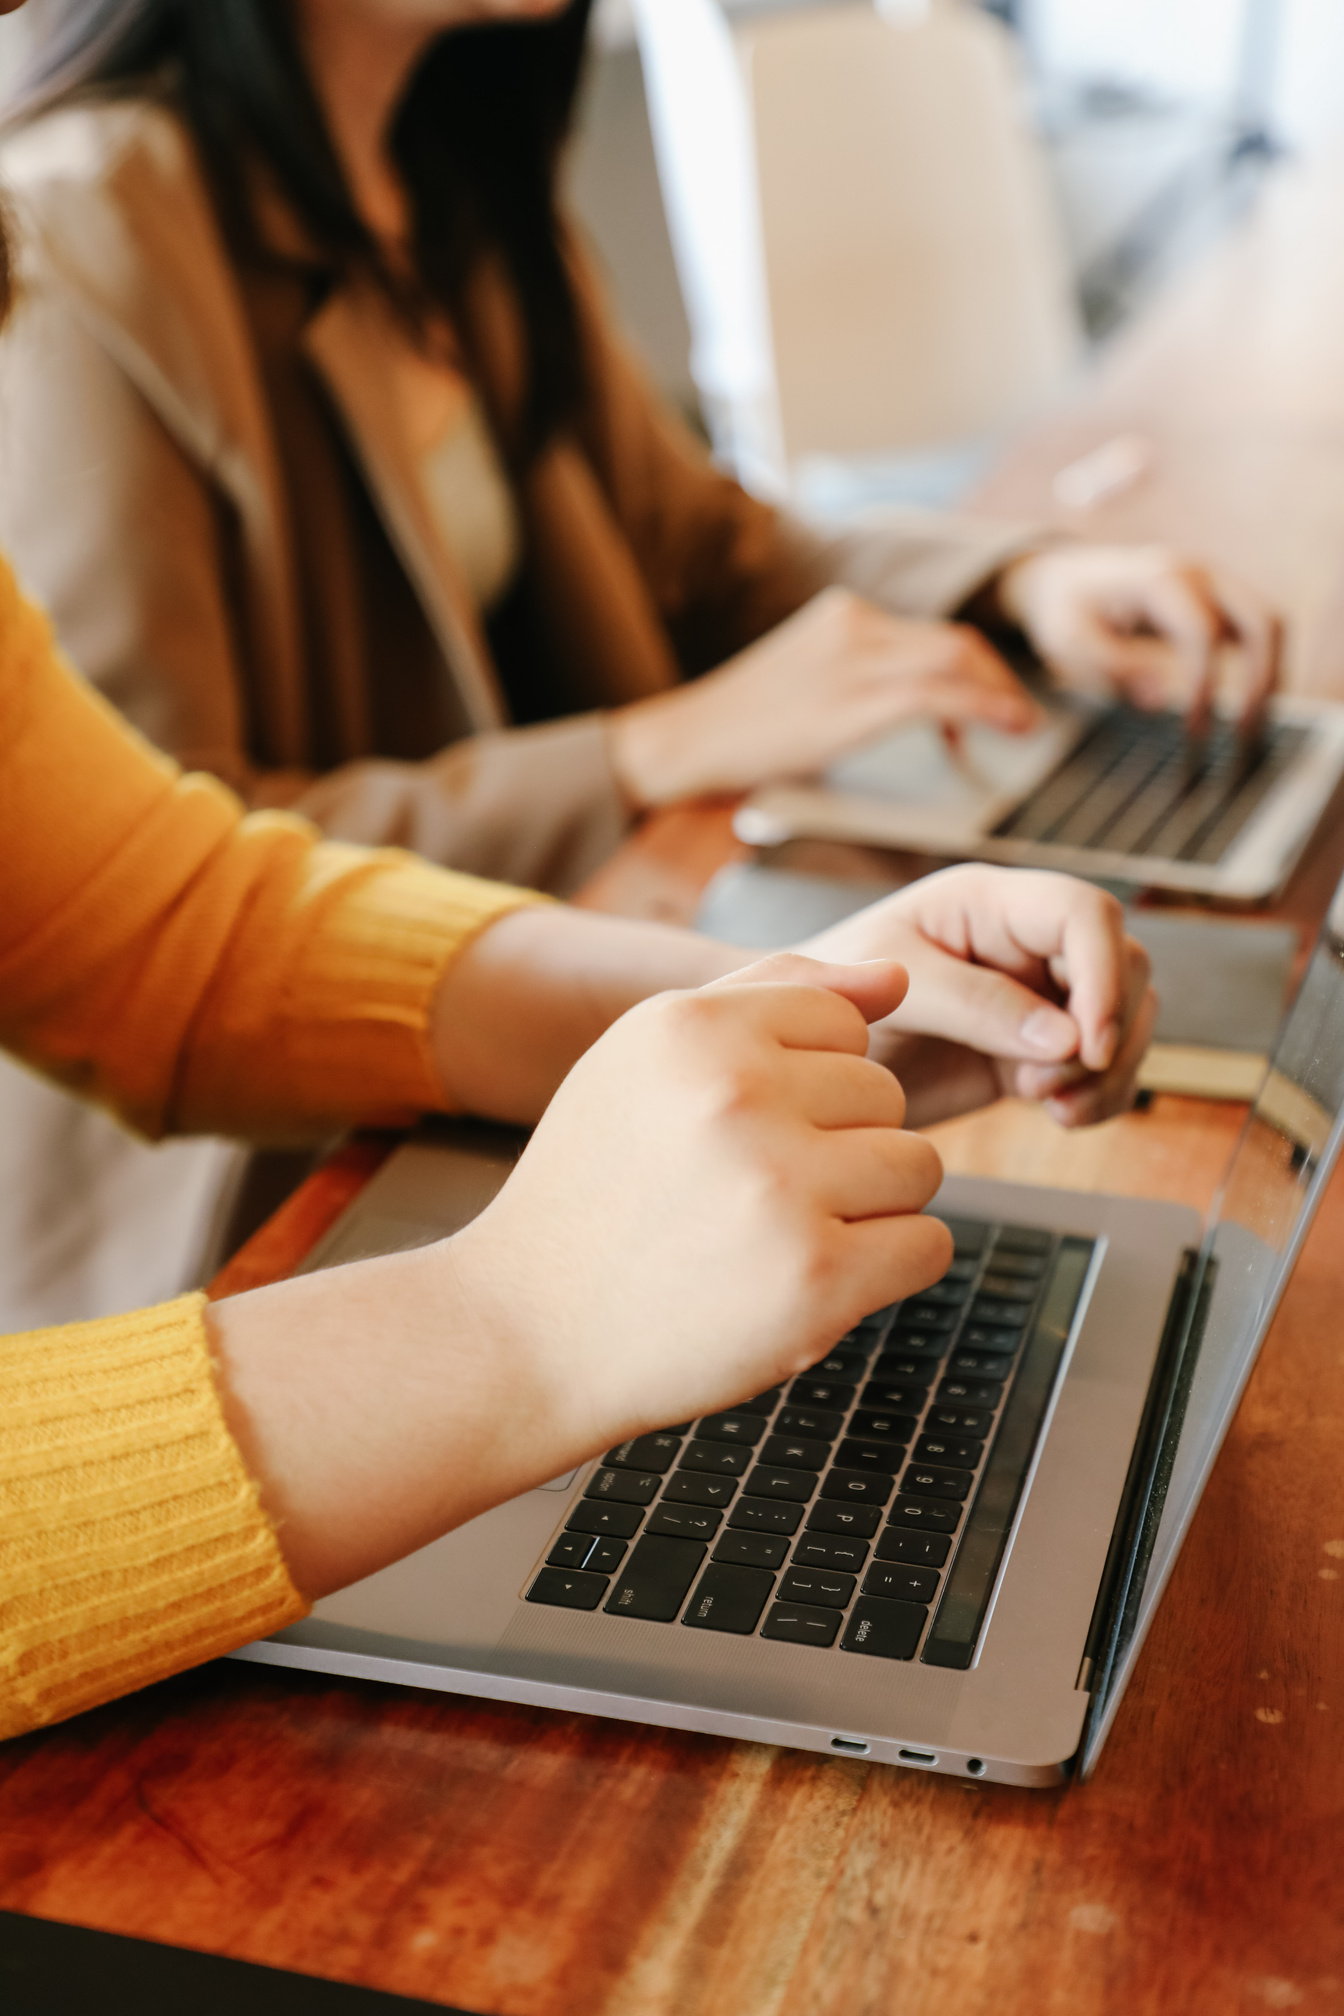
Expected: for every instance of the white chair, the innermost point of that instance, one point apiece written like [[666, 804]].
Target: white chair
[[863, 226]]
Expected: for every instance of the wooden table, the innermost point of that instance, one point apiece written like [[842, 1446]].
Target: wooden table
[[534, 1864]]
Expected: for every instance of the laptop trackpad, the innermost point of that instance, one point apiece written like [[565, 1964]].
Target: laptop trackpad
[[980, 780]]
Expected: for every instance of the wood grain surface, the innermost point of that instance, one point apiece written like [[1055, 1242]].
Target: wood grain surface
[[533, 1864], [524, 1863]]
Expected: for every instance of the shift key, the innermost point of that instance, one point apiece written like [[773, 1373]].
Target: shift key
[[654, 1581]]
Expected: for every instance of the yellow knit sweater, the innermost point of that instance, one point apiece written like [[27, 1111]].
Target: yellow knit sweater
[[192, 969]]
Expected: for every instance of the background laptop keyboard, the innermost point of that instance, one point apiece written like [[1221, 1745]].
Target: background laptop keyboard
[[1138, 784], [865, 1506]]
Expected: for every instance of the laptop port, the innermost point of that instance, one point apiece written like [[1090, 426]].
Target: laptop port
[[916, 1756], [850, 1745], [976, 1766]]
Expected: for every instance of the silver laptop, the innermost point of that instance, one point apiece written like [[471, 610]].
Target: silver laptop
[[943, 1546], [1104, 791]]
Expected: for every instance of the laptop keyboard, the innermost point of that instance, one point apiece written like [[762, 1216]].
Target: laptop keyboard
[[864, 1507], [1138, 784]]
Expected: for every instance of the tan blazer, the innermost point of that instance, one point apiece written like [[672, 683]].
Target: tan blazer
[[141, 500], [138, 453]]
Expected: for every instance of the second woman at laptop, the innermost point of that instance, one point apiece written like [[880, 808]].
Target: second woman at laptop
[[327, 461], [323, 454]]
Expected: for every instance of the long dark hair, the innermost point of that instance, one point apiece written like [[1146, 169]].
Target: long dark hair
[[476, 140]]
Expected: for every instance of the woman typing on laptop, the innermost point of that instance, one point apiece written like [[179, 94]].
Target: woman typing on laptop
[[719, 1186], [321, 450]]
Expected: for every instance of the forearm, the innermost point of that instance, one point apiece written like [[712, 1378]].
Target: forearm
[[377, 1407], [539, 986], [536, 989]]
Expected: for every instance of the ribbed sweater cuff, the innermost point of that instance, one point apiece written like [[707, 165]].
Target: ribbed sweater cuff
[[351, 1041], [132, 1542]]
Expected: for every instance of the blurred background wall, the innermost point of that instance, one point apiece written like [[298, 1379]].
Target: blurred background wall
[[1158, 119]]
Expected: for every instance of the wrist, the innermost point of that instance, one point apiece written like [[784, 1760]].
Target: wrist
[[528, 1426], [510, 1295], [644, 746], [537, 988]]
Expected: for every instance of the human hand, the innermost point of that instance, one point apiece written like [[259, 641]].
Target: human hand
[[836, 674], [719, 1190], [1147, 625], [1027, 982]]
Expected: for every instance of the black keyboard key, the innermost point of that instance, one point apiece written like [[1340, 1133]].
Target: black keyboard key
[[817, 1421], [906, 1369], [920, 1550], [624, 1487], [1022, 1239], [795, 1452], [883, 1629], [1018, 1266], [811, 1392], [814, 1552], [654, 1581], [875, 1424], [764, 1403], [901, 1584], [988, 1337], [968, 1234], [645, 1452], [860, 1522], [606, 1557], [745, 1430], [571, 1550], [729, 1599], [873, 1458], [970, 1392], [956, 1454], [751, 1550], [801, 1624], [621, 1521], [1001, 1315], [841, 1364], [949, 1293], [962, 1267], [980, 1365], [914, 1356], [1007, 1287], [686, 1522], [568, 1589], [929, 1316], [688, 1487], [817, 1585], [715, 1458], [904, 1398], [854, 1487], [925, 1514], [923, 1480], [975, 1421], [758, 1515], [677, 1428], [796, 1486]]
